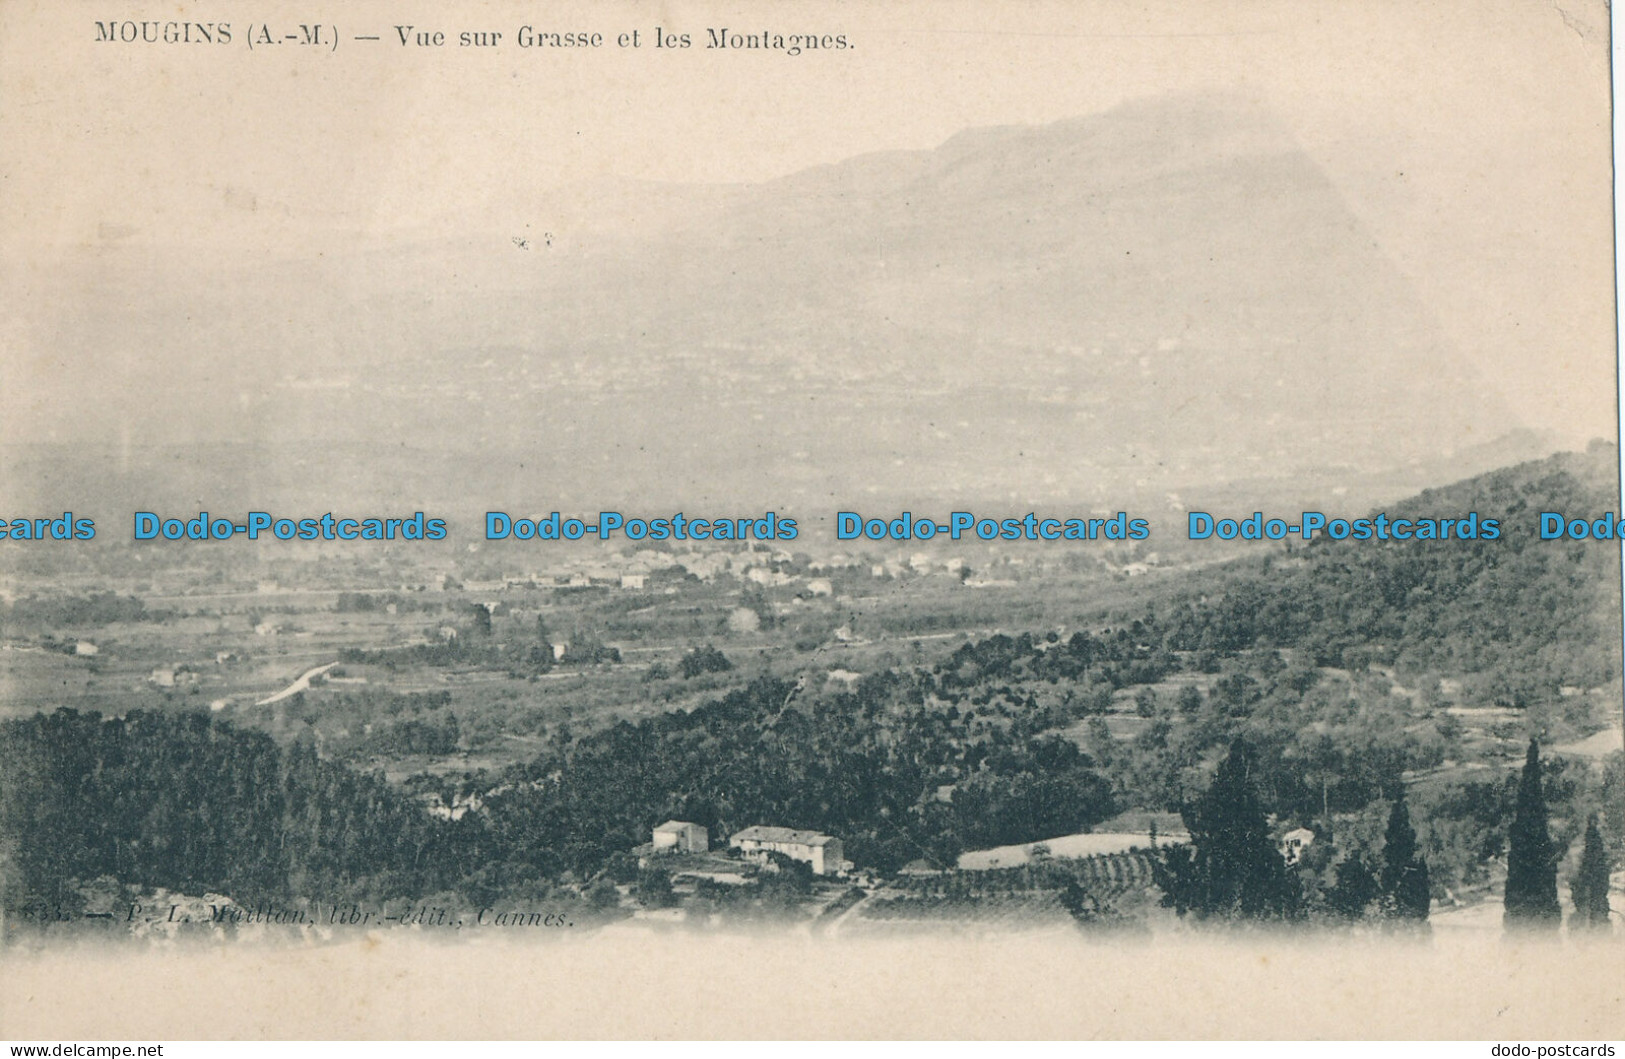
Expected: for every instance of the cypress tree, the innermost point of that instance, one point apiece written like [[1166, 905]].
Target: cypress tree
[[1531, 889], [1354, 890], [1231, 869], [1405, 884], [1589, 887]]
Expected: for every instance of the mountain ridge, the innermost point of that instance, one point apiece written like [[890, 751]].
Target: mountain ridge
[[1167, 293]]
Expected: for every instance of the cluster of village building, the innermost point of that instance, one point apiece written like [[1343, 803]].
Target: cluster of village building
[[822, 853]]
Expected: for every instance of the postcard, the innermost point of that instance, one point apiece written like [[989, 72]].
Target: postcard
[[809, 520]]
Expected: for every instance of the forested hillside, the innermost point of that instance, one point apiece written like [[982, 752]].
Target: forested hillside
[[1525, 616], [195, 805], [863, 765]]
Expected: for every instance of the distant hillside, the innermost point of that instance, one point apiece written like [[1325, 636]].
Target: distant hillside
[[1529, 616], [1165, 295]]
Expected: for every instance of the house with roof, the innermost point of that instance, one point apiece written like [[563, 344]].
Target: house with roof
[[680, 836], [1294, 842], [823, 852]]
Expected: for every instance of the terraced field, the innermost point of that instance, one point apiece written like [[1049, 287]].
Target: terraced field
[[1028, 895]]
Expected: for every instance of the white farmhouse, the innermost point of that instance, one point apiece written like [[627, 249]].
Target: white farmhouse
[[680, 836], [823, 852]]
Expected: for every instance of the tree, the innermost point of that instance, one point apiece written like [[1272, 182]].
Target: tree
[[1356, 888], [1531, 889], [1589, 887], [1231, 869], [585, 648], [602, 894], [1145, 702], [705, 659], [1079, 902], [653, 887], [1405, 884]]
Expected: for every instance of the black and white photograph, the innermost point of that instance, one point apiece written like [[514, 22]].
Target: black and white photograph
[[809, 520]]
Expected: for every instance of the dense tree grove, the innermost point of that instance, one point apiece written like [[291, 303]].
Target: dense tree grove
[[704, 659], [193, 805], [862, 765], [1231, 869], [101, 608]]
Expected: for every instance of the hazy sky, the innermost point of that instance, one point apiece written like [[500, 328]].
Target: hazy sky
[[1471, 138]]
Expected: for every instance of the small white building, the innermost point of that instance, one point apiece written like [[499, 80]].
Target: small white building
[[823, 852], [680, 836], [1293, 843], [84, 647]]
